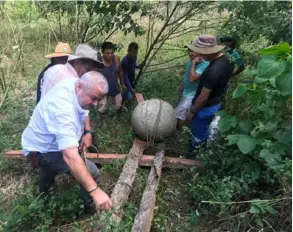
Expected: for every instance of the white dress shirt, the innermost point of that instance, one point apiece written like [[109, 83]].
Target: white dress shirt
[[57, 122], [55, 74]]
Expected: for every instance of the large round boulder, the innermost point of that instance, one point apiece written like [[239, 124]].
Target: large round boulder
[[153, 120]]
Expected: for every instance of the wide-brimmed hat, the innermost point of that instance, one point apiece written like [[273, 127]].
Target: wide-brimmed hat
[[84, 51], [61, 49], [205, 44]]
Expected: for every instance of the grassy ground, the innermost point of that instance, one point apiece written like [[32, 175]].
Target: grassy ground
[[20, 207]]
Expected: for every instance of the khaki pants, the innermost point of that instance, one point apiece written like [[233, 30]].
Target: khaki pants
[[115, 100]]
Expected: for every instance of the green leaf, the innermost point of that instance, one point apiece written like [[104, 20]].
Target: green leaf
[[239, 91], [279, 49], [246, 126], [254, 209], [270, 209], [281, 148], [225, 124], [283, 137], [232, 139], [270, 67], [284, 81], [246, 143], [270, 158]]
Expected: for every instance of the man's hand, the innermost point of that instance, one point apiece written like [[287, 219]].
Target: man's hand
[[142, 64], [196, 60], [85, 142], [189, 115], [101, 199]]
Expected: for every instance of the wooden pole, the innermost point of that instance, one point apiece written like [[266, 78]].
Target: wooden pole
[[123, 187], [143, 219]]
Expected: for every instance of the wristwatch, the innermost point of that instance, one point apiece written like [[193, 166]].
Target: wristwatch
[[88, 132]]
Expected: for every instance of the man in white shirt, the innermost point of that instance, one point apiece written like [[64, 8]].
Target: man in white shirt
[[83, 60], [54, 132]]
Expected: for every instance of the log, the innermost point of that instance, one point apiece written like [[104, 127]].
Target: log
[[143, 219], [123, 187], [105, 158]]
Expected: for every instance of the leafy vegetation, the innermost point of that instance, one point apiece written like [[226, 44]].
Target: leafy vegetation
[[246, 184]]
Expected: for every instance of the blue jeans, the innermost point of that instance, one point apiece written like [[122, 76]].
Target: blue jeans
[[200, 125], [52, 164]]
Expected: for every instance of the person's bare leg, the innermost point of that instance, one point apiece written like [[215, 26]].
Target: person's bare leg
[[180, 124]]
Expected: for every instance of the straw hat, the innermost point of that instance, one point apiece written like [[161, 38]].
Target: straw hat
[[62, 49]]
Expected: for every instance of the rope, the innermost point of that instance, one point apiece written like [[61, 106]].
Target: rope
[[83, 155], [151, 138]]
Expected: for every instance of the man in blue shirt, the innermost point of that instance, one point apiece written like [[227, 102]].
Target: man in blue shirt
[[128, 65], [194, 68], [230, 44]]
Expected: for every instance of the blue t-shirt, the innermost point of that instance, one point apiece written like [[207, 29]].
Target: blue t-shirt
[[235, 58], [190, 87], [128, 67]]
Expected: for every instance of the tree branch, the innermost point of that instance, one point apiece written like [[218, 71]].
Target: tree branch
[[156, 70], [178, 57]]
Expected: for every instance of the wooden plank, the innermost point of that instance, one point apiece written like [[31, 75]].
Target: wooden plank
[[143, 219], [145, 160], [123, 187]]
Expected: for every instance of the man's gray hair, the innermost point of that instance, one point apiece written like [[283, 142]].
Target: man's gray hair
[[94, 79]]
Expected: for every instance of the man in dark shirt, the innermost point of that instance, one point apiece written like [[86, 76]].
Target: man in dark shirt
[[62, 51], [128, 65], [207, 100]]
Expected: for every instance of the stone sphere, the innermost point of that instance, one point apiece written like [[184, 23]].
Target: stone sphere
[[153, 120]]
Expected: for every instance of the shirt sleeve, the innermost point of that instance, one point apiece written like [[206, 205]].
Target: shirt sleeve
[[237, 59], [201, 67], [210, 80], [60, 122]]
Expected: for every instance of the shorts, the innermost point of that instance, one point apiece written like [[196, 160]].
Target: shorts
[[115, 100], [183, 107]]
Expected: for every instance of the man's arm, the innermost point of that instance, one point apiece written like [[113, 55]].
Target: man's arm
[[120, 73], [239, 70], [193, 75], [200, 102], [86, 140], [79, 171]]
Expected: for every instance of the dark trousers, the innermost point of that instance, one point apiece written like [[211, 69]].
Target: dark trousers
[[52, 164]]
